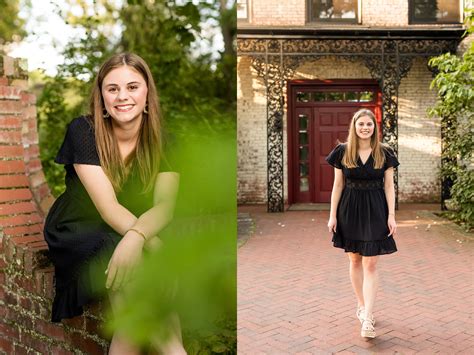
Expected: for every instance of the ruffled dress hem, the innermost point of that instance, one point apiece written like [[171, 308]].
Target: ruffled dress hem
[[365, 248]]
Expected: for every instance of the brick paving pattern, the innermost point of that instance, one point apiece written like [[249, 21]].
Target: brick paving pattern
[[295, 297]]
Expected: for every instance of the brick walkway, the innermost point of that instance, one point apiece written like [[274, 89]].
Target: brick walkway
[[294, 294]]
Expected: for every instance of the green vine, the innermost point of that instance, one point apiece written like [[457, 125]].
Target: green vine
[[454, 83]]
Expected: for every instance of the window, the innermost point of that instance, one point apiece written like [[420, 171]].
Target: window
[[333, 11], [338, 96], [435, 11], [242, 10]]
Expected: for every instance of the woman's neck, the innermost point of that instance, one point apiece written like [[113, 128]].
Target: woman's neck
[[364, 144], [127, 133]]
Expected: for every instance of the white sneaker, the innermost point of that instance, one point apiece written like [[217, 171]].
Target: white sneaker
[[360, 313]]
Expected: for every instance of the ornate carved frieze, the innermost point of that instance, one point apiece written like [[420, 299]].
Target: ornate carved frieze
[[276, 60]]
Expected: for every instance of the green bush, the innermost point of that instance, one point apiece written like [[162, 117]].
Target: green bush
[[454, 83]]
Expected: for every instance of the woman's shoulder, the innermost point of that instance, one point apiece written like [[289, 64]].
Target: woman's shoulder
[[388, 150], [341, 146], [82, 123]]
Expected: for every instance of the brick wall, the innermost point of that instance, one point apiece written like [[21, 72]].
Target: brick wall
[[270, 12], [419, 136], [251, 135], [26, 274], [294, 13], [384, 13]]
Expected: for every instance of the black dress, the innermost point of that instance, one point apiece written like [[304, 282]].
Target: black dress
[[80, 242], [362, 212]]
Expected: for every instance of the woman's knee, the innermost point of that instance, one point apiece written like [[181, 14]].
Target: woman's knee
[[369, 264], [355, 260]]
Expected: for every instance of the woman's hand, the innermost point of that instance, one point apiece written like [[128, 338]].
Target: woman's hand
[[124, 260], [392, 225], [332, 223]]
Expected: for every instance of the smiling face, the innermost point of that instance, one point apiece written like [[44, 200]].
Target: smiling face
[[364, 127], [124, 91]]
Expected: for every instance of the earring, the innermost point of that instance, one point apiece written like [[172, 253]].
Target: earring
[[105, 113], [145, 110]]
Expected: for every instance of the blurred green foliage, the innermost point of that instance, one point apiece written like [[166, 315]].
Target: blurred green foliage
[[454, 83], [197, 94], [11, 25], [194, 272]]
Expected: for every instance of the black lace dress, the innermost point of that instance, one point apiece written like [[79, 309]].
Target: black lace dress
[[362, 211], [80, 242]]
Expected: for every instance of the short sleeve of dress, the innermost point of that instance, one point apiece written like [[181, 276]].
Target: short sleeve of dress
[[391, 160], [335, 157], [167, 163], [79, 145]]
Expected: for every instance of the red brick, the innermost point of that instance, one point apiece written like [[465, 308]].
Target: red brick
[[5, 344], [24, 230], [33, 341], [75, 323], [20, 349], [11, 151], [27, 239], [15, 195], [12, 166], [10, 107], [15, 208], [8, 331], [89, 346], [9, 92], [13, 181], [10, 122], [58, 350], [52, 330], [23, 219]]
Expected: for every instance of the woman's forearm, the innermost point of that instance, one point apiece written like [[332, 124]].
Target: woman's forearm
[[335, 197], [149, 223], [390, 196], [155, 219], [119, 218]]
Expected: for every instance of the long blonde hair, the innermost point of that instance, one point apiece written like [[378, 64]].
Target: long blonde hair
[[148, 149], [351, 152]]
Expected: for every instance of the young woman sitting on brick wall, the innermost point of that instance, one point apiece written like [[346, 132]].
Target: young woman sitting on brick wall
[[119, 194], [362, 217]]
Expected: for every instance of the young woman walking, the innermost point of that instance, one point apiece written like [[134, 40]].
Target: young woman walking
[[362, 217]]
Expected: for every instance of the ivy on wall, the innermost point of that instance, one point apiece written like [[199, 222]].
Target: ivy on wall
[[454, 83]]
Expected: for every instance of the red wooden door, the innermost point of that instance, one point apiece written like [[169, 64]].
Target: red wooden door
[[319, 114], [331, 125]]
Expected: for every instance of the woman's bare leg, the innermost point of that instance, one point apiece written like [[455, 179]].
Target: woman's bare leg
[[357, 277], [119, 344], [174, 344], [371, 281]]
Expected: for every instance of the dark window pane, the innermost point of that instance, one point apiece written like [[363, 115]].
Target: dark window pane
[[366, 96], [319, 96], [302, 96], [334, 10], [352, 96], [304, 186], [429, 11], [303, 138], [335, 96], [304, 169], [303, 152], [303, 122]]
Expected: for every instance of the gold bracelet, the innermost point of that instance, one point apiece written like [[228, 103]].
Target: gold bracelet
[[139, 232]]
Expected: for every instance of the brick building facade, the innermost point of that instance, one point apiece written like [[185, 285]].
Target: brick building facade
[[305, 66]]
